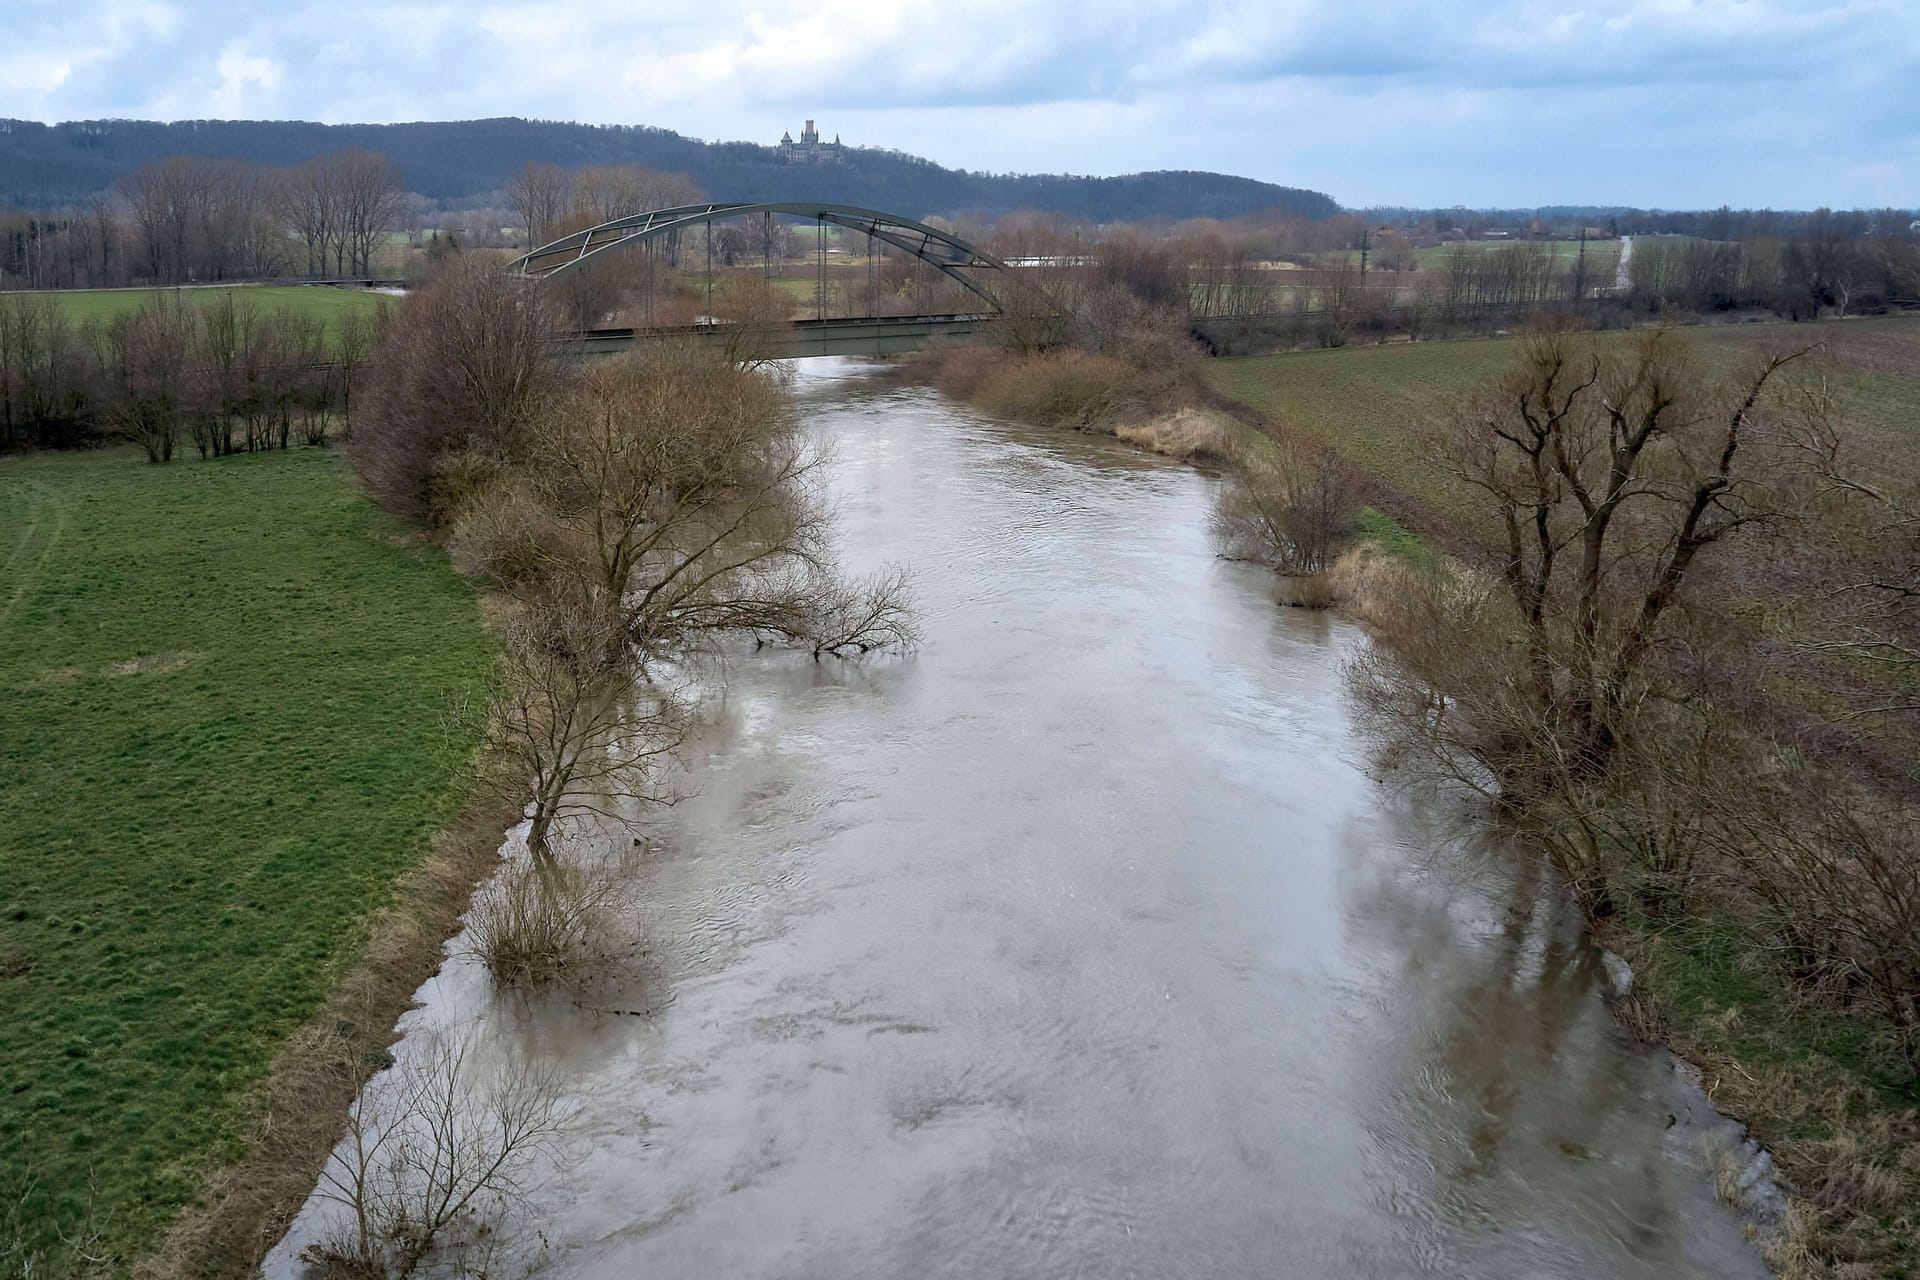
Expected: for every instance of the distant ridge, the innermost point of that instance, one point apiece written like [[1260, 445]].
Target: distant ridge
[[46, 166]]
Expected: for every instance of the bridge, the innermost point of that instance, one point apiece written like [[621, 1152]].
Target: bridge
[[988, 280], [980, 273]]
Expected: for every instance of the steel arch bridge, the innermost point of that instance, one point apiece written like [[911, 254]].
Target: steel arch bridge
[[945, 252]]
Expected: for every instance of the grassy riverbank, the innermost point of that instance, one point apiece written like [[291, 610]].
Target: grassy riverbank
[[221, 741], [1822, 1081]]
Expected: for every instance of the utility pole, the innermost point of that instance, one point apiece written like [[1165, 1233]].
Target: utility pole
[[1366, 243], [1580, 270]]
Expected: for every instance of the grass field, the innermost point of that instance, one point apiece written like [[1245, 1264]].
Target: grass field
[[222, 695], [329, 305], [1372, 403], [1603, 256]]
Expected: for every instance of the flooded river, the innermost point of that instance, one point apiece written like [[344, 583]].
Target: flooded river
[[1079, 943]]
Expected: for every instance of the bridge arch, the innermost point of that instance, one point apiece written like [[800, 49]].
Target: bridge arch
[[942, 250]]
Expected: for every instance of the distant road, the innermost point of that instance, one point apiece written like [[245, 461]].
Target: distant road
[[1626, 256]]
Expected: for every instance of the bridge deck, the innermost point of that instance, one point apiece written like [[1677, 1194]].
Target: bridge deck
[[856, 336]]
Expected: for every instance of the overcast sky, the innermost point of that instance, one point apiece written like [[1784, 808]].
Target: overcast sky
[[1676, 103]]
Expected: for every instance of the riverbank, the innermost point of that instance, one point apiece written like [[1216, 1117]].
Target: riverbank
[[1824, 1085], [223, 756]]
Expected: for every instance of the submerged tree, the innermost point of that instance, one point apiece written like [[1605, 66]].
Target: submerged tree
[[565, 711], [437, 1150]]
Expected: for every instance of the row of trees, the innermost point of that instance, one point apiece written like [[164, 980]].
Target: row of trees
[[1800, 277], [550, 201], [1265, 237], [1251, 302], [191, 218], [1354, 280], [222, 378]]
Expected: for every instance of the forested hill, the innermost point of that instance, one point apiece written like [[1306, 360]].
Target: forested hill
[[46, 166]]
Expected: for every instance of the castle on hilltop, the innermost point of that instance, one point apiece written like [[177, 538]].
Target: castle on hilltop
[[810, 150]]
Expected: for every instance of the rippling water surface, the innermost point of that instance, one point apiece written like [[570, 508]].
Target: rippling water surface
[[1079, 943]]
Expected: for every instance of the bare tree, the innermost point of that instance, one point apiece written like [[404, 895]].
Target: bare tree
[[1039, 311], [565, 710], [750, 314], [1630, 465], [46, 391], [355, 335], [1284, 504], [1836, 871], [146, 354], [437, 1149], [165, 197], [308, 201], [601, 194], [1549, 674], [221, 375], [464, 370], [540, 196], [1872, 534], [372, 201], [864, 614], [667, 490]]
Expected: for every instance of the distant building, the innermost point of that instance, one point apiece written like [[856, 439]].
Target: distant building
[[810, 150]]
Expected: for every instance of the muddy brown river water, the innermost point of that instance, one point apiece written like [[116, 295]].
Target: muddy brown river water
[[1079, 942]]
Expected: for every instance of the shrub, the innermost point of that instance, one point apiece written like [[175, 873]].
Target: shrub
[[1185, 434], [1287, 504], [544, 918], [465, 366], [47, 396], [961, 372], [1063, 388]]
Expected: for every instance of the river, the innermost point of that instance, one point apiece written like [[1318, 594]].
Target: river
[[1080, 943]]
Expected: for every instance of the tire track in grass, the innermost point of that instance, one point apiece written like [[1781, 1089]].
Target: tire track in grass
[[45, 523]]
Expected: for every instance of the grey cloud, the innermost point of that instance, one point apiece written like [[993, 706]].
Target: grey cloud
[[1433, 100]]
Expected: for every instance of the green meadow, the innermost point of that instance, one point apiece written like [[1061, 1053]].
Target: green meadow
[[224, 690]]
